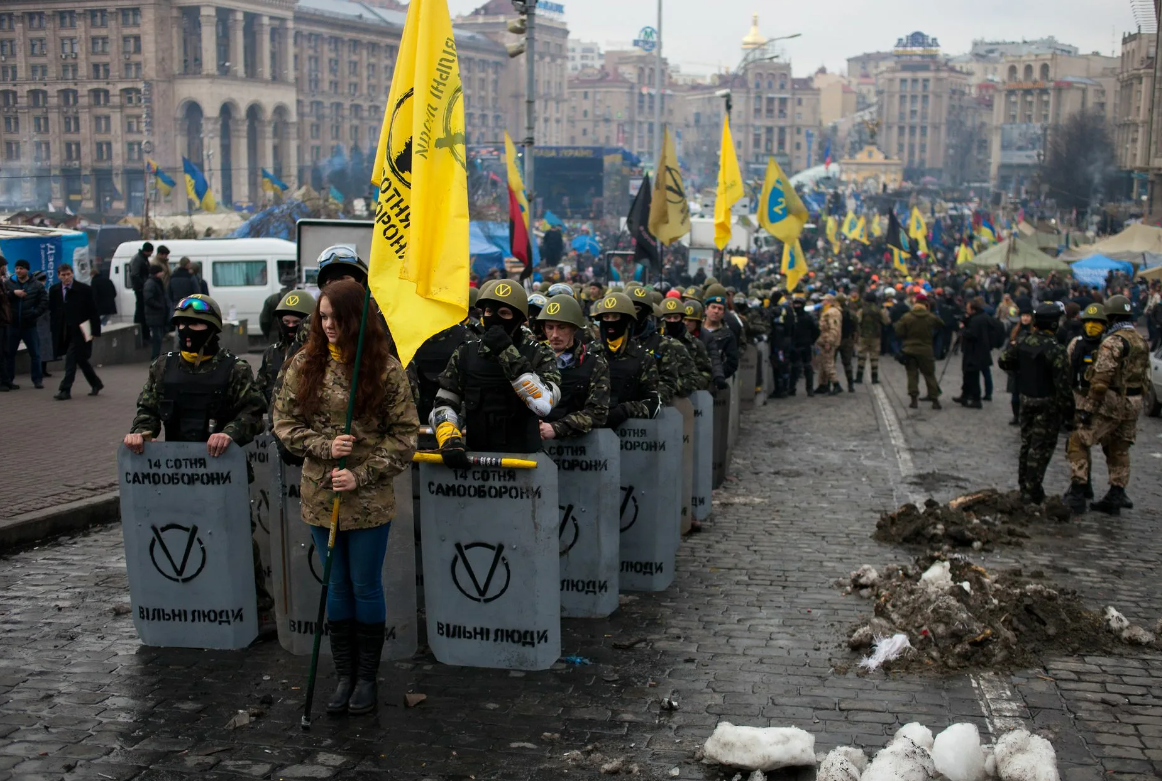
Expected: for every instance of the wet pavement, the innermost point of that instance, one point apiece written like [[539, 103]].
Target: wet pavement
[[752, 631]]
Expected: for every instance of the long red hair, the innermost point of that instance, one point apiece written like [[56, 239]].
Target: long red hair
[[346, 299]]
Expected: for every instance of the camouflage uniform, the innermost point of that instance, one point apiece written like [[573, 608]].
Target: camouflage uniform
[[646, 401], [242, 403], [676, 372], [703, 368], [756, 323], [872, 319], [830, 335], [1116, 380], [384, 444], [1046, 401], [544, 364], [581, 410]]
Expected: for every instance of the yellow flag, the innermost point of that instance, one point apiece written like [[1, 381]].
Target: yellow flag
[[418, 271], [848, 225], [794, 265], [899, 259], [514, 181], [918, 231], [860, 233], [964, 254], [781, 211], [669, 208], [833, 234], [729, 187], [877, 230]]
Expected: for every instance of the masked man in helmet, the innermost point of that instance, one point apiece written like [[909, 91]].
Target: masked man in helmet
[[633, 374], [1041, 373], [1082, 352], [675, 314], [1117, 378], [288, 316], [584, 403], [505, 382], [676, 372]]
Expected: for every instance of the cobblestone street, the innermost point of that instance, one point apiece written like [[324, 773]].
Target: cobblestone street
[[752, 631]]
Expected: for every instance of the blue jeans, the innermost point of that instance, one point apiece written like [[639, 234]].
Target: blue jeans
[[356, 589], [32, 341], [988, 381]]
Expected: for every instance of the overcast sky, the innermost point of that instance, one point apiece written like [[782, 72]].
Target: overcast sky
[[703, 34]]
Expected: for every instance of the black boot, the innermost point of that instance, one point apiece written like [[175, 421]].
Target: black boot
[[915, 401], [822, 390], [836, 389], [859, 377], [342, 637], [366, 694], [1075, 497], [936, 404], [850, 380], [875, 378], [1111, 503], [1087, 491], [973, 404]]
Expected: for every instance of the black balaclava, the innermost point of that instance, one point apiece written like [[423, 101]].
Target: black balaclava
[[509, 326], [288, 332], [191, 341], [643, 325], [675, 330], [612, 330]]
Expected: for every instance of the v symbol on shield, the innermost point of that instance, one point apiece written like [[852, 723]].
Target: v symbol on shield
[[481, 591], [192, 536]]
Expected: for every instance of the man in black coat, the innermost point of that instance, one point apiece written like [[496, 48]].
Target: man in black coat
[[138, 273], [27, 302], [72, 310], [976, 352], [183, 283]]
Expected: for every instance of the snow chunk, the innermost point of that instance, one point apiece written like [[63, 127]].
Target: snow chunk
[[917, 733], [1115, 621], [1137, 635], [846, 763], [901, 760], [1024, 757], [865, 576], [938, 577], [956, 753], [886, 650], [760, 748]]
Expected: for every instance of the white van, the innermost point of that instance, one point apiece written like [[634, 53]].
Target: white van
[[240, 273]]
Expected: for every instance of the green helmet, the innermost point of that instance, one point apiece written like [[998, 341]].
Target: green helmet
[[615, 303], [693, 311], [640, 296], [692, 293], [503, 291], [711, 281], [1094, 312], [296, 302], [473, 294], [199, 308], [1118, 306], [563, 309], [715, 294], [672, 306], [656, 297]]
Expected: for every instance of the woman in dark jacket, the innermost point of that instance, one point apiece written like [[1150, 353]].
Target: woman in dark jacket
[[105, 296], [976, 351]]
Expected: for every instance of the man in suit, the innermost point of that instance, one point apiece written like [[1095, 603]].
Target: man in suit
[[70, 306]]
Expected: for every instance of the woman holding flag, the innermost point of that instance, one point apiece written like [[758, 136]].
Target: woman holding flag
[[308, 416]]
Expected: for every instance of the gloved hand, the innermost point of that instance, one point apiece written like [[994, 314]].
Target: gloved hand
[[454, 454], [1085, 417], [496, 339], [617, 416], [721, 383]]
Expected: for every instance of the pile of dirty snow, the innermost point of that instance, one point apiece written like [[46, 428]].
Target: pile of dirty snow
[[956, 615], [978, 520]]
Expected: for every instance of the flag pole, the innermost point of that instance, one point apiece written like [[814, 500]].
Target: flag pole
[[334, 530]]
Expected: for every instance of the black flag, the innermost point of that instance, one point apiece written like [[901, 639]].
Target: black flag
[[637, 223], [895, 233]]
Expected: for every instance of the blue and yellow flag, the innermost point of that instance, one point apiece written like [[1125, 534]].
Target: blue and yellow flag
[[918, 231], [964, 253], [877, 229], [165, 182], [418, 270], [849, 222], [860, 232], [729, 187], [270, 182], [197, 188], [781, 211], [899, 259], [794, 265]]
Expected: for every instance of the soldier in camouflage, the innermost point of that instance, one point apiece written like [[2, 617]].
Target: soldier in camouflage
[[584, 403], [1116, 379], [1081, 352], [872, 320], [633, 374], [675, 314], [289, 314], [309, 419], [849, 329], [676, 372], [830, 335], [1042, 377]]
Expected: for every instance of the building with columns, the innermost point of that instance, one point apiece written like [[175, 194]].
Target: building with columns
[[89, 92], [1133, 106]]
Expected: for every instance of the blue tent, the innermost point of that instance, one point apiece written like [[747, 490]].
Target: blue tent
[[488, 246], [1094, 269], [585, 243]]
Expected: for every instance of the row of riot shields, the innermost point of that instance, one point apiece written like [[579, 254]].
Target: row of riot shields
[[505, 554]]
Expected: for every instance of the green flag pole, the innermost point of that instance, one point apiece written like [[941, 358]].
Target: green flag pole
[[306, 722]]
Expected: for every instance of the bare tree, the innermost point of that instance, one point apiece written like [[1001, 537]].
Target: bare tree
[[1079, 161]]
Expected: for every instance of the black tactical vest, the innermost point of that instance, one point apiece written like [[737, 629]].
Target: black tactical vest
[[430, 361], [496, 418], [190, 402], [1084, 353], [624, 374], [575, 380], [1034, 370]]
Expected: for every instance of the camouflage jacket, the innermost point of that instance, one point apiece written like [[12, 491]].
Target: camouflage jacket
[[1122, 364], [677, 376], [1062, 387], [757, 323], [384, 444], [266, 377], [701, 358], [872, 319], [243, 401], [596, 406], [646, 405], [544, 365], [831, 326]]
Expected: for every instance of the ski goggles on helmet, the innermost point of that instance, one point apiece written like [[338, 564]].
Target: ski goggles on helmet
[[196, 304]]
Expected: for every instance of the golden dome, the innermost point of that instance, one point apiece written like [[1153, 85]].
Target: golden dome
[[754, 39]]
